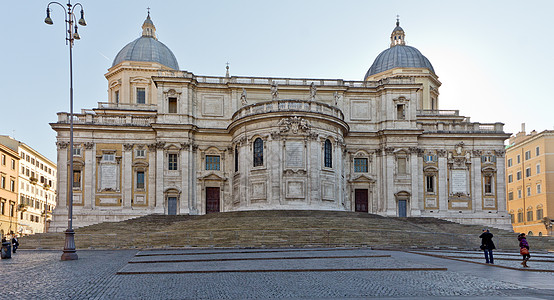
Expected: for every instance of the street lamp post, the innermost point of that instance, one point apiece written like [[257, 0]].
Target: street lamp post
[[71, 35]]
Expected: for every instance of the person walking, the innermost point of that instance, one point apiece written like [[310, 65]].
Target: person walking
[[487, 245], [523, 249]]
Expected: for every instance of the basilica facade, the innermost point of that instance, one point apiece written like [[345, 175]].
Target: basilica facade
[[171, 142]]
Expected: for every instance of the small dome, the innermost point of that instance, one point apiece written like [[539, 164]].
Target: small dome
[[399, 56], [147, 48]]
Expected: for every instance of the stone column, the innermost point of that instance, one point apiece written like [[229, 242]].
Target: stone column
[[151, 176], [388, 192], [184, 207], [89, 179], [63, 169], [194, 202], [442, 181], [500, 182], [127, 175], [416, 172], [160, 167], [476, 190]]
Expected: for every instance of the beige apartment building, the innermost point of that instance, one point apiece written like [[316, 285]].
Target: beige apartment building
[[36, 187], [529, 181], [9, 164]]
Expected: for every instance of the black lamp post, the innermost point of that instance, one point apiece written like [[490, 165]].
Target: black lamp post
[[71, 35]]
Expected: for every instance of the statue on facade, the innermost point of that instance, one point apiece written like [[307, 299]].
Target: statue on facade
[[243, 98], [274, 91], [313, 91], [336, 95]]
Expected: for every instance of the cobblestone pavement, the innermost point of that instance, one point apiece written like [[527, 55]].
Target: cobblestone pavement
[[37, 274]]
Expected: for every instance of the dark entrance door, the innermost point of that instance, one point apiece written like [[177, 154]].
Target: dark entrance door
[[361, 200], [212, 199], [402, 208], [171, 205]]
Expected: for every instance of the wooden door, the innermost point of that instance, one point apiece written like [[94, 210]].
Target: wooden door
[[361, 200], [402, 208], [212, 199], [171, 205]]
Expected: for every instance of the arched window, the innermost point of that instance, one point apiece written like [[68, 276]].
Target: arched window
[[328, 154], [258, 152]]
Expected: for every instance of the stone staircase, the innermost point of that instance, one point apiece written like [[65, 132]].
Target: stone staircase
[[280, 229]]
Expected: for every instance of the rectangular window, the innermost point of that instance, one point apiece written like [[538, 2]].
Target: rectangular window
[[172, 105], [77, 179], [401, 165], [12, 210], [512, 218], [510, 178], [539, 189], [527, 172], [108, 157], [528, 191], [527, 155], [538, 168], [12, 185], [141, 95], [539, 214], [360, 165], [140, 179], [236, 159], [430, 183], [509, 162], [488, 158], [429, 158], [537, 151], [520, 217], [116, 97], [141, 153], [519, 193], [511, 196], [529, 215], [3, 159], [76, 151], [518, 158], [212, 162], [2, 207], [400, 113], [518, 175], [172, 161], [488, 184], [3, 182]]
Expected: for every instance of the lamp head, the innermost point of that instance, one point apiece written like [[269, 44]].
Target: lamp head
[[48, 20], [82, 19], [76, 34]]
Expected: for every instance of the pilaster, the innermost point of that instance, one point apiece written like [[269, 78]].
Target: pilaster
[[127, 169], [89, 179]]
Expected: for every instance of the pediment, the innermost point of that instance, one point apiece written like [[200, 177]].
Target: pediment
[[212, 177], [363, 178]]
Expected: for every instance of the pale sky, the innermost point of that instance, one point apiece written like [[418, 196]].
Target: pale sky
[[494, 58]]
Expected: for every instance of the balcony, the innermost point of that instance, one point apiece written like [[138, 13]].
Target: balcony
[[288, 105], [97, 119]]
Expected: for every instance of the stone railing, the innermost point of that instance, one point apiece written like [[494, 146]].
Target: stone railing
[[288, 105], [284, 81], [123, 120], [434, 112], [462, 127], [127, 106]]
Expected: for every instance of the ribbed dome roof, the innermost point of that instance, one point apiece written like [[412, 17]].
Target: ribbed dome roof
[[147, 49], [399, 56]]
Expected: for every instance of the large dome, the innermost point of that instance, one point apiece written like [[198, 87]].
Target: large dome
[[147, 48], [398, 55]]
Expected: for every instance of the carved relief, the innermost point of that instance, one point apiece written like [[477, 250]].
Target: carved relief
[[89, 145], [477, 153], [441, 153], [160, 145], [294, 124], [62, 145], [389, 150], [151, 147], [500, 152], [128, 147]]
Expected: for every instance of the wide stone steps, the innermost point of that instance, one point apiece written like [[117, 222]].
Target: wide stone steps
[[280, 229]]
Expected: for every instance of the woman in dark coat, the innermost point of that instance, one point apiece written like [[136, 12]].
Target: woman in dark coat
[[487, 245], [523, 245]]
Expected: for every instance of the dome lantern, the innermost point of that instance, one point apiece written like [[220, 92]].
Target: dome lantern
[[397, 36], [148, 28]]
